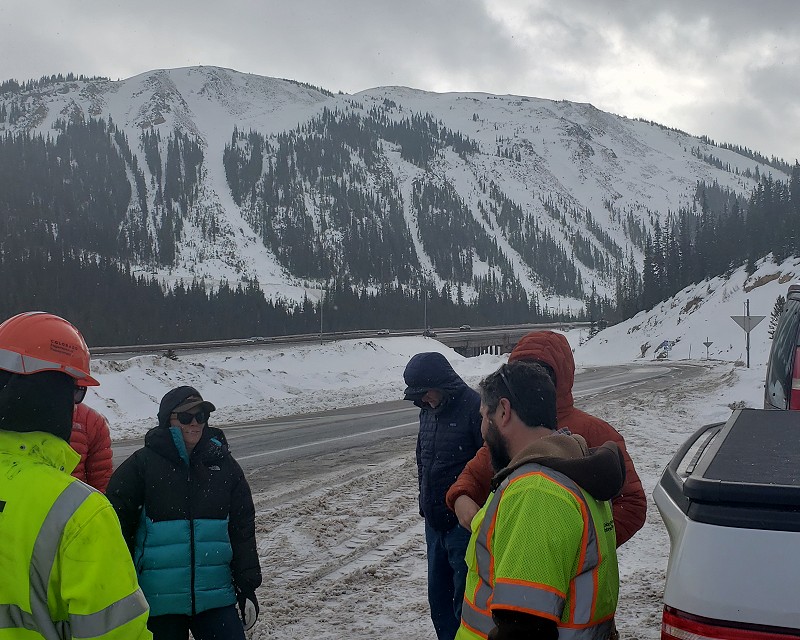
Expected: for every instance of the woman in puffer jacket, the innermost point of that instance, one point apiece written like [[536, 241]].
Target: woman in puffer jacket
[[187, 514], [552, 350]]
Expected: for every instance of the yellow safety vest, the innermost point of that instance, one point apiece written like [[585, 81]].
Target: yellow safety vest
[[542, 546], [65, 570]]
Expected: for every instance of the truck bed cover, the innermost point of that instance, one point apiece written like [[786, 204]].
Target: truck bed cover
[[747, 475]]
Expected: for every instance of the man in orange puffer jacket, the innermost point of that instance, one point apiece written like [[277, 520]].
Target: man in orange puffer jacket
[[92, 440], [470, 490]]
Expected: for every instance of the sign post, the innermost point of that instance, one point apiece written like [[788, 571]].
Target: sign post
[[748, 323], [707, 344], [321, 301]]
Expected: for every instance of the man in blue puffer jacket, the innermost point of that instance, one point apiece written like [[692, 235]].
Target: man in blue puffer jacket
[[449, 436]]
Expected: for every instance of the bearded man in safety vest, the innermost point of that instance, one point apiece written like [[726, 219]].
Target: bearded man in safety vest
[[65, 570], [542, 555]]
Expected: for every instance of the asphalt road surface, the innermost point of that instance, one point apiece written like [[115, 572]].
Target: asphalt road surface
[[339, 435]]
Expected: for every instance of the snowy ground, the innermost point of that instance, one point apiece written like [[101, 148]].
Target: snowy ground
[[341, 543]]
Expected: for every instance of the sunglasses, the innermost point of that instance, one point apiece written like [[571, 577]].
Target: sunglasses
[[514, 398], [79, 395], [184, 417]]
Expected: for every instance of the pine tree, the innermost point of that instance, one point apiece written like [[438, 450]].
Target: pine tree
[[775, 316]]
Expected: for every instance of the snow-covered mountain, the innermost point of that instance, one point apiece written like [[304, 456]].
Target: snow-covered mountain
[[451, 187]]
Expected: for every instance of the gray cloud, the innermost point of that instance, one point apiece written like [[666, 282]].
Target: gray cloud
[[725, 68]]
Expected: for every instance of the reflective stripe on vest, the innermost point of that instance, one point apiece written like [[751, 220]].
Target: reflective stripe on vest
[[45, 551], [113, 616], [476, 613], [481, 625], [12, 617], [601, 631]]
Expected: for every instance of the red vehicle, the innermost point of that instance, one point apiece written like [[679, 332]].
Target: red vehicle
[[782, 384]]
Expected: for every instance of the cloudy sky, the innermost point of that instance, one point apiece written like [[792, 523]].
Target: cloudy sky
[[728, 69]]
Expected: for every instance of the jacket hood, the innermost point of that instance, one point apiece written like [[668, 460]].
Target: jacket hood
[[553, 349], [431, 370], [40, 401], [212, 444], [599, 471], [40, 448]]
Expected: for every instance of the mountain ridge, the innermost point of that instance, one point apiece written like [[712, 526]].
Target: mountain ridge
[[542, 169]]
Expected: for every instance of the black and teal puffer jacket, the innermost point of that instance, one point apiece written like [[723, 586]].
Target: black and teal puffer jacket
[[189, 522]]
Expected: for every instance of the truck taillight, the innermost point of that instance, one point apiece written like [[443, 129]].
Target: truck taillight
[[794, 393], [678, 625]]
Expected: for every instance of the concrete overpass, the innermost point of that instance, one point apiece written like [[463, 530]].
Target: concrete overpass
[[471, 342], [496, 340]]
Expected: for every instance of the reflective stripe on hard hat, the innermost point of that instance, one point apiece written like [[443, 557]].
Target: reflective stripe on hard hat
[[25, 365], [19, 363], [45, 552]]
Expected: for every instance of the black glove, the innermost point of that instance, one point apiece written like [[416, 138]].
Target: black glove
[[248, 618]]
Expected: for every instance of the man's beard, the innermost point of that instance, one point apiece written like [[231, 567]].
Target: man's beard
[[498, 447]]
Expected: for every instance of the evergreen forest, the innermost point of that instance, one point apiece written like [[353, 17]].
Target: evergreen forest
[[85, 224]]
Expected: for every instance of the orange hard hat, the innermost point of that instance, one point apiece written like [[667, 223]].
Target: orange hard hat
[[37, 341]]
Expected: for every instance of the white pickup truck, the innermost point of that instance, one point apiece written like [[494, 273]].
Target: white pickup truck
[[730, 499]]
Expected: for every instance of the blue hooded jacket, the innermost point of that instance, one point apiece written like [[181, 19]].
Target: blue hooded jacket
[[449, 436]]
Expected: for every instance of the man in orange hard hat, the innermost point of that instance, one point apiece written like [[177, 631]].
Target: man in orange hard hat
[[65, 570]]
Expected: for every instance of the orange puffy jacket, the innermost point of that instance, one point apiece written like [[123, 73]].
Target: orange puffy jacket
[[92, 440], [630, 507]]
